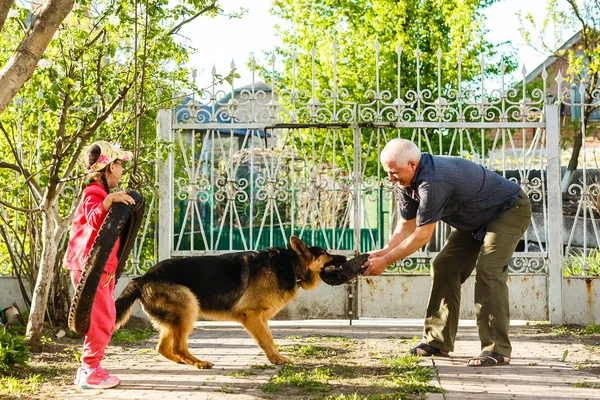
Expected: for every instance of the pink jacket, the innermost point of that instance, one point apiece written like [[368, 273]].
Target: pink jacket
[[89, 215]]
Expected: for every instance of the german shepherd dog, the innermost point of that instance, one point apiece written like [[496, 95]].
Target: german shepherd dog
[[249, 287]]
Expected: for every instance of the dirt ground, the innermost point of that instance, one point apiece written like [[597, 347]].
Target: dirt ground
[[370, 362]]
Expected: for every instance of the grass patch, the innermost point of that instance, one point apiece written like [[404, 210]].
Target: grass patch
[[409, 376], [564, 330], [240, 373], [329, 338], [312, 381], [16, 386], [306, 350], [591, 329], [323, 338], [356, 396], [225, 389], [263, 366], [131, 336], [588, 385]]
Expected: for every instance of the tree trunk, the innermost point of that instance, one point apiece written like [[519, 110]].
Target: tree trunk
[[4, 9], [51, 234], [21, 65]]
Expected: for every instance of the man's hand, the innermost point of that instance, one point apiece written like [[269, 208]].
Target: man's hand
[[375, 266], [378, 253]]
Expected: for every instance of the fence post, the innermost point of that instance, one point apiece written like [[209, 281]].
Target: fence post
[[555, 215], [357, 179], [165, 189]]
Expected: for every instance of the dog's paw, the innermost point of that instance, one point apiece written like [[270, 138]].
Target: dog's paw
[[278, 359], [203, 365]]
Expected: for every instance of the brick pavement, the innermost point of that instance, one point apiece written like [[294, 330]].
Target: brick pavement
[[536, 372]]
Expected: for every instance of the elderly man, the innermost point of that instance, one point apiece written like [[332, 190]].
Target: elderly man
[[489, 215]]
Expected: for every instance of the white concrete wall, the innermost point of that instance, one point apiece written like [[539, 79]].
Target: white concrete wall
[[405, 296], [581, 301]]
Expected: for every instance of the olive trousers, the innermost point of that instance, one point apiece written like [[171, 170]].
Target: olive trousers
[[454, 264]]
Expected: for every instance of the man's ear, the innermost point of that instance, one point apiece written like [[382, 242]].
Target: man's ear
[[299, 247]]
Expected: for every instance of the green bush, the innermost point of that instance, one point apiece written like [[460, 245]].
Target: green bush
[[12, 351], [580, 264]]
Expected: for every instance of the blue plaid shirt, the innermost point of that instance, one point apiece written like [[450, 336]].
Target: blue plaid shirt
[[459, 192]]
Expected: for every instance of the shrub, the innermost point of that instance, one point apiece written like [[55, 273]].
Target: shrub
[[13, 351]]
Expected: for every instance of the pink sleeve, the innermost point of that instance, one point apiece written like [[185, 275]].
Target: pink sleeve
[[94, 210]]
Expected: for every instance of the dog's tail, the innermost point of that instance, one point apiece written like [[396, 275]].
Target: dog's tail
[[124, 304]]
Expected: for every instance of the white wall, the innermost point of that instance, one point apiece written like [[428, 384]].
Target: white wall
[[405, 296]]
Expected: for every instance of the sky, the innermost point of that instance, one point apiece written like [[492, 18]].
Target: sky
[[221, 40]]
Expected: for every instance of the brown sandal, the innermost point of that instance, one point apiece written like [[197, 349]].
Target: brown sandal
[[489, 359], [429, 351]]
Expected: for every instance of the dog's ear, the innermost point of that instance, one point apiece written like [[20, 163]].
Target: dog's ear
[[299, 247]]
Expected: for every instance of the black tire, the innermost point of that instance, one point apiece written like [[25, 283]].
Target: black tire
[[337, 275], [114, 224], [129, 234]]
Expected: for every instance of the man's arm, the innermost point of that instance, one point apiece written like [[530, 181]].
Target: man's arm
[[403, 230], [412, 243]]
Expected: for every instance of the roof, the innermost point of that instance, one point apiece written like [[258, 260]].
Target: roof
[[552, 59], [182, 112]]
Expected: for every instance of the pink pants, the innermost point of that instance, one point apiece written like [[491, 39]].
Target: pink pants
[[102, 320]]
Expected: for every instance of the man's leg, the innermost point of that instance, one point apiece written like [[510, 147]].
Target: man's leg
[[491, 289], [452, 266]]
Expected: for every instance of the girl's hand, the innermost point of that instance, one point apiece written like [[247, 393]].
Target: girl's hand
[[117, 197]]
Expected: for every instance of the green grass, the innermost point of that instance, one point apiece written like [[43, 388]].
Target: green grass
[[291, 376], [588, 385], [580, 367], [16, 386], [356, 396], [591, 329], [225, 389], [240, 373], [131, 336], [398, 377], [409, 376], [263, 366], [305, 350]]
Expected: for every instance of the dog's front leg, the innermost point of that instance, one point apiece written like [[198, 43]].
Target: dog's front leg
[[256, 324]]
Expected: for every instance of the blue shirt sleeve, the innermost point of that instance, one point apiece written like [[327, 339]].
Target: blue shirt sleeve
[[408, 206], [433, 198]]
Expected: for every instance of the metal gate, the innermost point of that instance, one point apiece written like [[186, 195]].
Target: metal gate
[[251, 166]]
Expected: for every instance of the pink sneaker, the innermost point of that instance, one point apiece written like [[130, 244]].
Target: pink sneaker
[[96, 378]]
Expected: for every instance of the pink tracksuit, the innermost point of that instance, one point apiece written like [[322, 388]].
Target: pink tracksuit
[[89, 215]]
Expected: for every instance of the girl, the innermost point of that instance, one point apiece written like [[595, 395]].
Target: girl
[[102, 163]]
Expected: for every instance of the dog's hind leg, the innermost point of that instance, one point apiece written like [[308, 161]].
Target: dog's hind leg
[[173, 310], [165, 345], [180, 347], [256, 324]]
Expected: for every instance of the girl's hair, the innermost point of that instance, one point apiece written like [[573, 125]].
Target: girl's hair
[[89, 158]]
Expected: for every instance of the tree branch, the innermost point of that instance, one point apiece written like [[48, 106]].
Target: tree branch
[[186, 21], [25, 210], [36, 190], [86, 133], [22, 63], [4, 9]]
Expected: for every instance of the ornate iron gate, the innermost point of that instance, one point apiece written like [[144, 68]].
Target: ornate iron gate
[[254, 165]]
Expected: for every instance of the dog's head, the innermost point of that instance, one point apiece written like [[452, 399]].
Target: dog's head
[[313, 260]]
